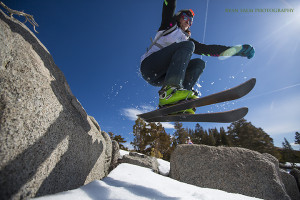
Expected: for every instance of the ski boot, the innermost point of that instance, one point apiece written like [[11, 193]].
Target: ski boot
[[171, 95]]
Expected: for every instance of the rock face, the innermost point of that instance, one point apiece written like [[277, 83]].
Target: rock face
[[141, 160], [48, 143], [290, 184], [296, 174], [234, 170], [115, 155]]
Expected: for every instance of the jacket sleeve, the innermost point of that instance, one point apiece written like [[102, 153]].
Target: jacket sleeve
[[168, 12], [208, 50]]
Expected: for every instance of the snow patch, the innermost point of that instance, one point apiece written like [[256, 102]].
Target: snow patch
[[163, 167], [133, 182]]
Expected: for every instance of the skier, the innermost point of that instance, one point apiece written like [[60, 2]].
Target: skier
[[189, 141], [168, 63]]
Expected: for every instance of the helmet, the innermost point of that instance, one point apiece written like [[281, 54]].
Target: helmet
[[190, 12]]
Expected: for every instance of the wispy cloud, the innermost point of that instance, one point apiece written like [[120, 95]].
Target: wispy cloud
[[271, 92], [295, 146], [167, 125], [131, 114]]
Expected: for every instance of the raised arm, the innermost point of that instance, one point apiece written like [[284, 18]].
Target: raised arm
[[168, 20]]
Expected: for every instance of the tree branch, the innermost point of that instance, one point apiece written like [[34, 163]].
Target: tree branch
[[28, 17]]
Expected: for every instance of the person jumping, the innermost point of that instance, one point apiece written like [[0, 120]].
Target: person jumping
[[167, 62]]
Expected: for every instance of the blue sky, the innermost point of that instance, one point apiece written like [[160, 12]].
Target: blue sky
[[97, 44]]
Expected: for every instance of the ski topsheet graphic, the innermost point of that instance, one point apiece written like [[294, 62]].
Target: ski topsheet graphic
[[163, 114]]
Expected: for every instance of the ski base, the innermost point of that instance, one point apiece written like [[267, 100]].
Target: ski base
[[227, 95], [219, 117]]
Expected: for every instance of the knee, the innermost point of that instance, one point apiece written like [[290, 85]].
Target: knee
[[189, 44], [199, 63]]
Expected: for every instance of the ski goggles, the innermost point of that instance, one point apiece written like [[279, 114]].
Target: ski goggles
[[187, 19]]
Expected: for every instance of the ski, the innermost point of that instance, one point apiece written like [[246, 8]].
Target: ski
[[221, 117], [226, 95]]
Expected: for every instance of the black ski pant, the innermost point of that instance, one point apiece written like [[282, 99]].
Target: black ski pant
[[172, 66]]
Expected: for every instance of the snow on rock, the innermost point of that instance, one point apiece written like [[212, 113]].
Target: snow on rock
[[163, 167], [141, 160], [288, 164], [133, 182], [122, 153]]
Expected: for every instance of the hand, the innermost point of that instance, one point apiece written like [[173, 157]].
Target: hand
[[246, 51]]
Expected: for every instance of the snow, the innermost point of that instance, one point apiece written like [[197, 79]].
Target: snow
[[133, 182], [122, 153], [163, 167], [288, 164]]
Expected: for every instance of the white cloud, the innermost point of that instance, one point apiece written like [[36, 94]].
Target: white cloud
[[131, 114], [167, 125], [295, 146], [128, 145]]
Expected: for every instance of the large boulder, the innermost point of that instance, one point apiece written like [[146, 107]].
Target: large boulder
[[234, 170], [48, 143], [290, 184], [141, 160], [296, 174], [115, 155]]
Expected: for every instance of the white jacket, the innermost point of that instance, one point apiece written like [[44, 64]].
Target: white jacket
[[176, 36]]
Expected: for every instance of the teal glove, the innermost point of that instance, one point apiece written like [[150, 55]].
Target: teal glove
[[246, 51]]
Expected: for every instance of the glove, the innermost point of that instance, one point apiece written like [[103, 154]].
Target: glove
[[246, 51]]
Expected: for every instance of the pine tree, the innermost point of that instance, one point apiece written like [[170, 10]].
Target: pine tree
[[119, 139], [155, 153], [205, 138], [139, 132], [237, 132], [191, 133], [244, 134], [224, 138], [160, 141], [286, 145], [211, 139], [197, 135], [111, 135], [217, 137], [180, 134], [151, 139], [297, 138], [288, 152]]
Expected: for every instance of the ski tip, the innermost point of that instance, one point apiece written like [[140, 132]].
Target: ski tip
[[140, 116], [237, 114], [250, 85], [245, 110], [253, 81], [242, 112]]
